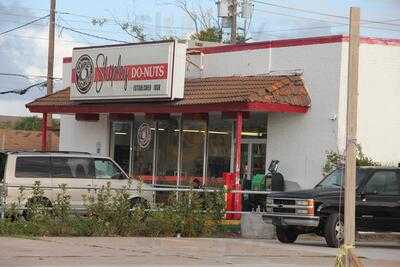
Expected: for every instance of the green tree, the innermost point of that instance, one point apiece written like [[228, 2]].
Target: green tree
[[33, 124], [28, 124], [212, 34]]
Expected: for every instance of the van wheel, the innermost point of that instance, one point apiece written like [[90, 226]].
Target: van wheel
[[286, 234], [334, 230], [138, 202], [31, 203]]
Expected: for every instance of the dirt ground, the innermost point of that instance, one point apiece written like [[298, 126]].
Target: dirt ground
[[115, 251]]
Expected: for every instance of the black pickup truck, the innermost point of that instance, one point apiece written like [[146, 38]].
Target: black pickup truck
[[320, 210]]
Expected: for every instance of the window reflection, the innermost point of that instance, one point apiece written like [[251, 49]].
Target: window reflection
[[121, 141], [144, 130], [167, 151], [219, 147], [194, 131]]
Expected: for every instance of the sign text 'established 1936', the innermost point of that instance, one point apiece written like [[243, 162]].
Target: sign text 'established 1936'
[[153, 70]]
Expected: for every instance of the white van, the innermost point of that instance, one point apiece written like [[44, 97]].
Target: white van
[[82, 172]]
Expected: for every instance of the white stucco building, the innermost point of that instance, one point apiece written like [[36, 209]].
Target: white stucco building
[[299, 138]]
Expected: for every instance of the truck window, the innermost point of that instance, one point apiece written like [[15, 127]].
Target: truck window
[[334, 179], [71, 167], [3, 159], [106, 169], [32, 167], [383, 183]]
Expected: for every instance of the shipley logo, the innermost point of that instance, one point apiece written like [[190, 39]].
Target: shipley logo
[[84, 70], [144, 136]]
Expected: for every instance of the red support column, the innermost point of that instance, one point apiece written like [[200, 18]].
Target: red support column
[[238, 196], [44, 132]]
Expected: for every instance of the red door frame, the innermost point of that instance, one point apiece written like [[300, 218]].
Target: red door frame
[[238, 196]]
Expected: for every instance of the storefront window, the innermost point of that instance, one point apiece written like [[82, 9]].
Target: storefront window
[[120, 143], [144, 131], [255, 126], [167, 151], [194, 131], [219, 147]]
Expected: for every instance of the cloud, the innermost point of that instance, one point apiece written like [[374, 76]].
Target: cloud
[[24, 51]]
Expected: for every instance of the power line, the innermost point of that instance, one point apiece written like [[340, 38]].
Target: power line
[[24, 25], [387, 22], [298, 17], [327, 21], [26, 76], [92, 35], [301, 10], [24, 90]]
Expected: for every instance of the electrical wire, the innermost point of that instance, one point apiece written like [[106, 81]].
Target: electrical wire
[[92, 35], [26, 76], [24, 25], [387, 22], [24, 90]]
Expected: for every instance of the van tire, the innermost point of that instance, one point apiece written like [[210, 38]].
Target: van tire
[[43, 201], [139, 202], [286, 234], [334, 230]]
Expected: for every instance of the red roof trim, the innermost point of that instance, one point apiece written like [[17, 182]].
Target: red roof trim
[[67, 60], [163, 109], [291, 42]]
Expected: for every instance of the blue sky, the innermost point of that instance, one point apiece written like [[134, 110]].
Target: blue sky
[[25, 51]]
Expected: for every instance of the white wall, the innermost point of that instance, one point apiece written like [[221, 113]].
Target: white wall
[[84, 136], [379, 102], [299, 141]]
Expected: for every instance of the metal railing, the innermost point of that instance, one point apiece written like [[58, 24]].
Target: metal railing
[[163, 188]]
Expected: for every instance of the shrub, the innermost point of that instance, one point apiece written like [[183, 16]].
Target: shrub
[[110, 213]]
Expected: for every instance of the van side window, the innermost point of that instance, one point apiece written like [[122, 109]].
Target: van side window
[[64, 167], [106, 169], [3, 159], [32, 167]]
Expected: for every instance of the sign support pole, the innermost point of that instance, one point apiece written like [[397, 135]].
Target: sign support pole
[[50, 64], [351, 132], [234, 21]]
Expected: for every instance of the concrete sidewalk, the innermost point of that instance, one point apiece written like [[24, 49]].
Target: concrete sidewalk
[[181, 252]]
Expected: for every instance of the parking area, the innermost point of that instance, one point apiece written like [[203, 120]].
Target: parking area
[[116, 251]]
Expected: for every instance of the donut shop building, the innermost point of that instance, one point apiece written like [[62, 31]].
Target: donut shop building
[[171, 113]]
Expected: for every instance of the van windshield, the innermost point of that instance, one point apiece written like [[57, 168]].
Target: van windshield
[[3, 159], [335, 178]]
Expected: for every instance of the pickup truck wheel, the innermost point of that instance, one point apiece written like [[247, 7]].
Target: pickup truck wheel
[[334, 230], [286, 234]]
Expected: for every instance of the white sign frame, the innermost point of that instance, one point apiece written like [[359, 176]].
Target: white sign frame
[[137, 71]]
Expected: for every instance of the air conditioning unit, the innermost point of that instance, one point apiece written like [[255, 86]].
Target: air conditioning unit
[[223, 8]]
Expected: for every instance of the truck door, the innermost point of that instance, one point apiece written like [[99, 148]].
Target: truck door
[[380, 201]]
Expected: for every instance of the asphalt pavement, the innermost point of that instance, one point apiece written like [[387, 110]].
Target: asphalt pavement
[[118, 251]]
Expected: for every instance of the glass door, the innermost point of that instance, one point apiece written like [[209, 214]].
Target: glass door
[[121, 138], [253, 158]]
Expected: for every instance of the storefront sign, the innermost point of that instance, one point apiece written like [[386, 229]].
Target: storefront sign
[[144, 136], [134, 71]]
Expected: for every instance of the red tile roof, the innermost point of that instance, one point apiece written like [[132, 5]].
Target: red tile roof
[[265, 89]]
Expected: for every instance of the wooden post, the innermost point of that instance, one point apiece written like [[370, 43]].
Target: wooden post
[[233, 11], [50, 65], [351, 130], [44, 132]]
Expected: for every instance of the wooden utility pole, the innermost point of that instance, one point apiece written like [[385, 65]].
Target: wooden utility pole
[[233, 11], [351, 131], [50, 67]]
